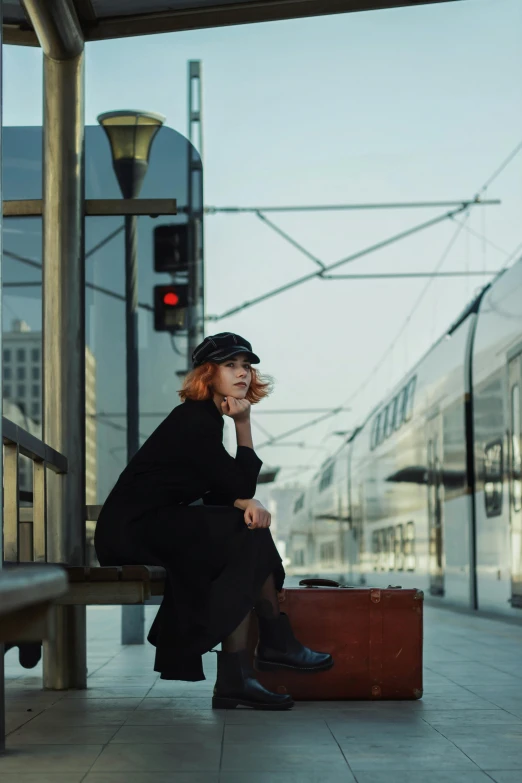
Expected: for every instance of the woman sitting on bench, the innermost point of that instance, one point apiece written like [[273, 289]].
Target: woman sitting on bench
[[219, 555]]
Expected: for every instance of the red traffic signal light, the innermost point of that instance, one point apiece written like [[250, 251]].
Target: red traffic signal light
[[170, 307]]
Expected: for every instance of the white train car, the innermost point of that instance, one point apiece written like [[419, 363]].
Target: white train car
[[497, 380], [428, 492], [409, 483]]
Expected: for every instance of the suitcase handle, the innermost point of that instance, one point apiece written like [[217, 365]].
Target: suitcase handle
[[318, 583]]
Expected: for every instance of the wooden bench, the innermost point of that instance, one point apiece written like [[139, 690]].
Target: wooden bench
[[106, 585], [27, 594], [102, 585]]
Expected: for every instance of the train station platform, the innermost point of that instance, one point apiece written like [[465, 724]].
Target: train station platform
[[131, 727]]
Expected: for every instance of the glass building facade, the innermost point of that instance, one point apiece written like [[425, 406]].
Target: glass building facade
[[162, 357]]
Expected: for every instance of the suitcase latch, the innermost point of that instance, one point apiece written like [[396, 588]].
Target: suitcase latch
[[375, 596]]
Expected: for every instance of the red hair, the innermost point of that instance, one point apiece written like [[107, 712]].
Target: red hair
[[198, 384]]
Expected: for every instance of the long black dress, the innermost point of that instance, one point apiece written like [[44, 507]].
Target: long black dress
[[215, 564]]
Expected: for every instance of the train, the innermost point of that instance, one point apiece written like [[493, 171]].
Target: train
[[427, 492]]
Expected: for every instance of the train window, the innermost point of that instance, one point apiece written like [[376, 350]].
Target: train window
[[399, 548], [409, 547], [384, 426], [327, 477], [493, 478], [401, 408], [410, 394], [375, 428], [394, 404], [516, 462], [378, 429], [299, 503], [389, 420], [390, 541]]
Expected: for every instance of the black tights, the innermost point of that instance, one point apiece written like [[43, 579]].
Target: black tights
[[266, 606]]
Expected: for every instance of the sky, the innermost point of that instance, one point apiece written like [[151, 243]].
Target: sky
[[408, 104]]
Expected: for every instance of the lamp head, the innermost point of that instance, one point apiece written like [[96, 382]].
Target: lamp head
[[130, 135]]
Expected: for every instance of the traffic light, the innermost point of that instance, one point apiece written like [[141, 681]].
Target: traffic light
[[171, 248], [170, 307]]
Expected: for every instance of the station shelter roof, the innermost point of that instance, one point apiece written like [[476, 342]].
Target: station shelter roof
[[104, 19]]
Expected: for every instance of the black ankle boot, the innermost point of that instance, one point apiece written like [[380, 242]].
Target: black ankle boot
[[236, 685], [279, 649]]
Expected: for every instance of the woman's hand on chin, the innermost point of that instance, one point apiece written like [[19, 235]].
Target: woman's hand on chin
[[256, 515], [239, 410]]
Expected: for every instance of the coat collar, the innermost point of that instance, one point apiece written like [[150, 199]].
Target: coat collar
[[208, 405]]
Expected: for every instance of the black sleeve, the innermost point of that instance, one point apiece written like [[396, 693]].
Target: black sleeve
[[225, 477]]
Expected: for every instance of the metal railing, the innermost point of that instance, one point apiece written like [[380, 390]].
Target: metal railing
[[25, 534]]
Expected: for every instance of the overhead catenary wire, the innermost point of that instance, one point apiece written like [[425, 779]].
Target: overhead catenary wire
[[405, 323], [286, 434], [417, 302], [478, 235], [345, 207], [460, 227], [349, 259], [92, 286], [262, 429], [405, 275], [289, 239], [443, 257]]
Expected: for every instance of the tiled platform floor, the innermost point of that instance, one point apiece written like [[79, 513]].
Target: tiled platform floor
[[131, 727]]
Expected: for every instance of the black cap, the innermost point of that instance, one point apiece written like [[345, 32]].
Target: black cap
[[222, 346]]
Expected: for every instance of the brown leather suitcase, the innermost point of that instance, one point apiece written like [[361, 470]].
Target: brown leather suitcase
[[373, 634]]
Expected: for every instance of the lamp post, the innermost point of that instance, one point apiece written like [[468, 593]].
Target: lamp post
[[130, 135]]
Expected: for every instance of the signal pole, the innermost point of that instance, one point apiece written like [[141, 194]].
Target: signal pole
[[196, 301]]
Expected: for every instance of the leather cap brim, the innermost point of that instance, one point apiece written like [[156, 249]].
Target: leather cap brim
[[227, 353]]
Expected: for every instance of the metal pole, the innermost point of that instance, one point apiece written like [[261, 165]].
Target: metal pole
[[132, 617], [196, 321], [131, 335], [64, 348]]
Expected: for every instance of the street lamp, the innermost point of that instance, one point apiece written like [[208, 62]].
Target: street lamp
[[130, 135]]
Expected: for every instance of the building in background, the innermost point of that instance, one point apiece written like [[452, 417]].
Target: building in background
[[23, 398], [22, 369]]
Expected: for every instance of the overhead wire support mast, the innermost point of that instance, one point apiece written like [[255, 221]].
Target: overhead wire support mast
[[464, 206]]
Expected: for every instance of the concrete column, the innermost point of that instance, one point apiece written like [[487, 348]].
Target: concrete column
[[64, 347], [59, 33]]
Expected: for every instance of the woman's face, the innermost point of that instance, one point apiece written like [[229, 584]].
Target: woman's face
[[233, 377]]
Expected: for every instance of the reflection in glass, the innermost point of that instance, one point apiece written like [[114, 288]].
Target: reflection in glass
[[493, 478], [162, 360], [410, 392], [515, 437]]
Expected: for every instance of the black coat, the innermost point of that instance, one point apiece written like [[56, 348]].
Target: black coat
[[215, 564]]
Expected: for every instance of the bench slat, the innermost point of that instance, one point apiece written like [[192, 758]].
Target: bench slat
[[21, 587], [104, 574], [133, 573], [77, 573]]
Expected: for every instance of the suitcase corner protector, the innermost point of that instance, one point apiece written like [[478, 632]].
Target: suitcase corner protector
[[417, 693], [419, 595]]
